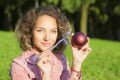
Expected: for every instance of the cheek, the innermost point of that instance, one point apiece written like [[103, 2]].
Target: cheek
[[36, 38], [54, 36]]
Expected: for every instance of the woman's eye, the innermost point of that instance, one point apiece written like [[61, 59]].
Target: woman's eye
[[39, 30], [54, 31]]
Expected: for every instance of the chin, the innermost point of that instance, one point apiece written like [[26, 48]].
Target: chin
[[43, 49]]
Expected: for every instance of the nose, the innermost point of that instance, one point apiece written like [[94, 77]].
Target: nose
[[47, 36]]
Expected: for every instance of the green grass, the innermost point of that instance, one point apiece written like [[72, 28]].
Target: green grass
[[101, 64], [9, 49]]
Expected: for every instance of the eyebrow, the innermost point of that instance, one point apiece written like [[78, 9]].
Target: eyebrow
[[44, 28]]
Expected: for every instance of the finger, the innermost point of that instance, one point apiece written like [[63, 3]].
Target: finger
[[85, 46], [45, 53], [43, 59], [88, 40], [44, 62], [87, 49]]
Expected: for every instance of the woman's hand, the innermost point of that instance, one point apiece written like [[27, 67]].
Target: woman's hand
[[79, 55], [43, 62]]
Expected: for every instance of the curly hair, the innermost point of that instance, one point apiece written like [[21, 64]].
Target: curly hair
[[26, 24]]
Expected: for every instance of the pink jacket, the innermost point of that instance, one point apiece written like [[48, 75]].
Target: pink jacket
[[24, 67]]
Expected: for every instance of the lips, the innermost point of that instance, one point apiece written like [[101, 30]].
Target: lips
[[46, 44]]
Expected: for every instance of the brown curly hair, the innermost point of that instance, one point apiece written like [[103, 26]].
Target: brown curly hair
[[26, 24]]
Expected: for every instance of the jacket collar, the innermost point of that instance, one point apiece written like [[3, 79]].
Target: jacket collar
[[30, 57]]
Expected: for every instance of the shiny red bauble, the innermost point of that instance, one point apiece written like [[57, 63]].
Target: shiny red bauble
[[79, 39]]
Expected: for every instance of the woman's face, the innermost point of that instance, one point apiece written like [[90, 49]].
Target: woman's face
[[45, 33]]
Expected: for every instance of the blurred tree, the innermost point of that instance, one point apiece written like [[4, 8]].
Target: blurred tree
[[81, 6], [104, 19], [19, 5], [11, 10], [36, 3], [117, 9], [84, 14], [71, 5], [46, 2], [7, 7]]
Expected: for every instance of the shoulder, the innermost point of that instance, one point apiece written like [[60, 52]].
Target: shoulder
[[17, 64], [23, 56], [21, 59], [18, 61]]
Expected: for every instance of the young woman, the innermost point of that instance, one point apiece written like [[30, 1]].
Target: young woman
[[38, 31]]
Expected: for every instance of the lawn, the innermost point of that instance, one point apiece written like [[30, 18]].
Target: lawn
[[101, 64]]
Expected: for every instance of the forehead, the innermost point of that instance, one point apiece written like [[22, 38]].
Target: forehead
[[46, 21]]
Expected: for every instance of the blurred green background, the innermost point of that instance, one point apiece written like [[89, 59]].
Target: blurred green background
[[98, 19]]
